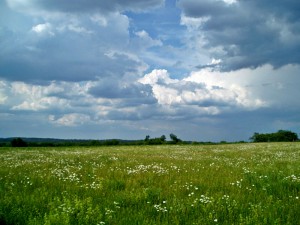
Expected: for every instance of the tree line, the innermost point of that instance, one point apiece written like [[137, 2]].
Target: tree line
[[279, 136], [39, 142]]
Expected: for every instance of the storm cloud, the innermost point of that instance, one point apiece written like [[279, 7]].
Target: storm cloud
[[246, 33]]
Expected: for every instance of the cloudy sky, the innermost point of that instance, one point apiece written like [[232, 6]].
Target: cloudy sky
[[205, 70]]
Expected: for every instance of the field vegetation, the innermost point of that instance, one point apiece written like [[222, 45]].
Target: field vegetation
[[279, 136], [250, 183]]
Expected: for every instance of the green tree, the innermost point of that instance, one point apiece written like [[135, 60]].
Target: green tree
[[257, 137], [95, 143], [286, 135], [174, 138], [155, 141], [111, 142], [279, 136], [163, 138], [18, 142]]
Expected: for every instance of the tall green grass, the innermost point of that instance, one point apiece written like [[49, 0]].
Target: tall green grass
[[179, 184]]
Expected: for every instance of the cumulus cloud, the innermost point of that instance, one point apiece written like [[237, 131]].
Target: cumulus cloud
[[203, 89], [206, 97], [264, 86], [43, 28], [70, 120], [32, 106], [157, 76], [34, 97], [144, 41]]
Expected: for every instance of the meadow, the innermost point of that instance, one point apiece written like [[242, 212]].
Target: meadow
[[246, 183]]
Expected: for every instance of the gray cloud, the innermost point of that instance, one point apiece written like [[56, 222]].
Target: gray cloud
[[113, 89], [69, 46], [68, 50], [138, 113], [248, 33], [92, 69], [83, 6]]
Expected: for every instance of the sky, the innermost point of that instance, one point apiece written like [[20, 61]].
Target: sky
[[205, 70]]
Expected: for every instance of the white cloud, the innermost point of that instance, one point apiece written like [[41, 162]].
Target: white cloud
[[166, 95], [44, 28], [20, 4], [194, 23], [41, 27], [36, 97], [84, 63], [255, 88], [230, 1], [157, 76], [205, 88], [79, 29], [99, 19], [70, 120], [145, 41], [3, 96], [204, 92], [31, 106], [26, 89]]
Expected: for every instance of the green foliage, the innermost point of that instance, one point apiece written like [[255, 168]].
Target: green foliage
[[72, 211], [95, 143], [174, 138], [18, 142], [48, 142], [163, 138], [253, 183], [279, 136], [111, 142], [147, 138], [154, 141]]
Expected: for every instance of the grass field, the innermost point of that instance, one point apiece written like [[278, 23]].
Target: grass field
[[167, 184]]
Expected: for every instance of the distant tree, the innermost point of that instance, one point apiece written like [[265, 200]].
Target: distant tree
[[174, 138], [155, 141], [18, 142], [257, 137], [163, 138], [111, 142], [286, 135], [279, 136], [95, 143]]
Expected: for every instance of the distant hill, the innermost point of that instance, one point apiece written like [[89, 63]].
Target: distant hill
[[44, 140], [56, 141]]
